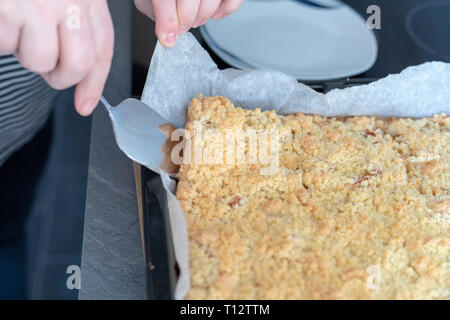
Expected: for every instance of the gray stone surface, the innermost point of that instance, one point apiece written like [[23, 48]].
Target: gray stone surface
[[112, 264]]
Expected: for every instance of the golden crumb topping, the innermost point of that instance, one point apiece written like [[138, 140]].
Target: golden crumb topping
[[358, 208]]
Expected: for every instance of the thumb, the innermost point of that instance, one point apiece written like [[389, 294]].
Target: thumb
[[166, 20]]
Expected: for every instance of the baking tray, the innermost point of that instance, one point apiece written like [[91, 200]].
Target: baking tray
[[161, 267]]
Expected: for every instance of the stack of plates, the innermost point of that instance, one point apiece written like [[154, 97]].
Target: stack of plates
[[309, 39]]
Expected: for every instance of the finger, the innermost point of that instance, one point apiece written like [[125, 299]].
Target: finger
[[166, 21], [146, 7], [38, 45], [187, 12], [10, 23], [226, 8], [76, 56], [206, 10], [10, 38], [89, 90]]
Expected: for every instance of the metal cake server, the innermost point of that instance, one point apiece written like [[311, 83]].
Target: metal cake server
[[135, 127]]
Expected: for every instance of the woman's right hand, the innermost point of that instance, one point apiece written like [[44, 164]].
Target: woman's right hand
[[67, 42]]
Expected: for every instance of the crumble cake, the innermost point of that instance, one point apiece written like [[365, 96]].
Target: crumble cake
[[359, 209]]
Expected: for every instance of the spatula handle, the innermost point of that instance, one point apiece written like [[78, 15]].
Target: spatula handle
[[105, 102]]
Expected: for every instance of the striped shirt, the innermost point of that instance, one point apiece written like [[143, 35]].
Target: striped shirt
[[25, 105]]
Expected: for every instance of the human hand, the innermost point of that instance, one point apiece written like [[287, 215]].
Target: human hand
[[176, 17], [67, 42]]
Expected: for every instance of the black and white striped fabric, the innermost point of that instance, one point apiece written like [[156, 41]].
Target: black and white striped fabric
[[25, 105]]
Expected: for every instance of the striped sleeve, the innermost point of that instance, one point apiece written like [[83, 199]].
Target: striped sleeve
[[25, 105]]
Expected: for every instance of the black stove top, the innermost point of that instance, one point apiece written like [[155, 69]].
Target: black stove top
[[412, 32]]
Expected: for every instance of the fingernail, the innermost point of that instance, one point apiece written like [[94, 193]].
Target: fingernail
[[184, 28], [88, 107], [199, 22], [218, 15], [170, 39]]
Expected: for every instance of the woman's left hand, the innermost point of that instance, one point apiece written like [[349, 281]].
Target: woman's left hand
[[176, 17]]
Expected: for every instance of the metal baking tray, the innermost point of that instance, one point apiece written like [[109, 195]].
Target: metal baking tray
[[162, 270]]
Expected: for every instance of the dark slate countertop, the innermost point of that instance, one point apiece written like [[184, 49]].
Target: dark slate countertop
[[112, 264]]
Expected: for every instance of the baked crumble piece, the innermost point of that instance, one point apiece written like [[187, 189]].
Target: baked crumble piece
[[358, 209]]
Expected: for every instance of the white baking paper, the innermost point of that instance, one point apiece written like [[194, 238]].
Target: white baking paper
[[181, 73]]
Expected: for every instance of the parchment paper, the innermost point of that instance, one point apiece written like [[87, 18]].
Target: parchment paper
[[181, 73]]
